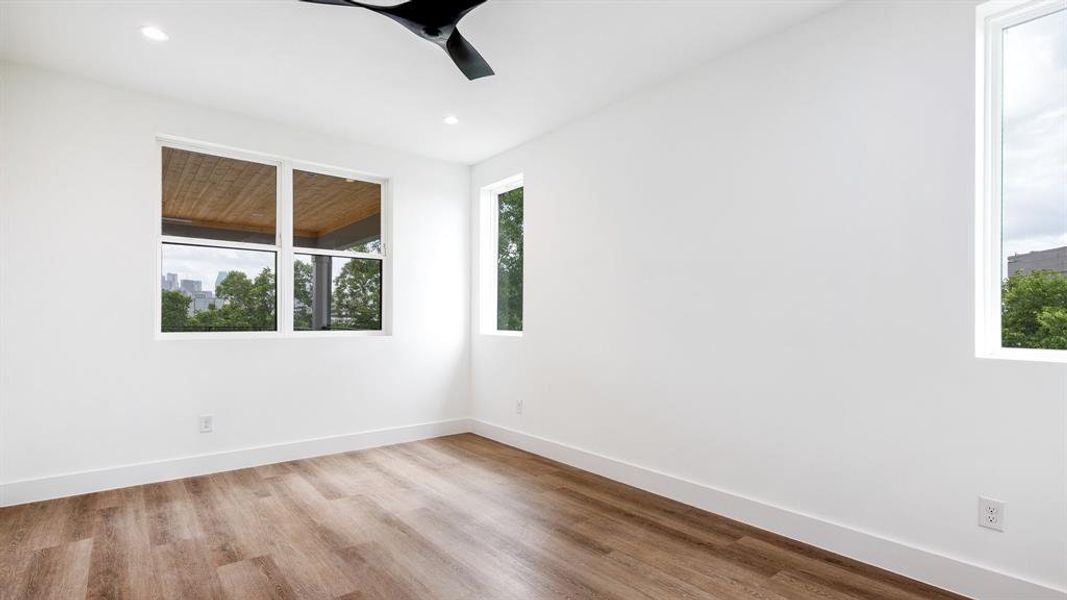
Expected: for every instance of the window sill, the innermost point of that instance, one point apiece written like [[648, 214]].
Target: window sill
[[340, 333], [512, 334], [1026, 354], [268, 335]]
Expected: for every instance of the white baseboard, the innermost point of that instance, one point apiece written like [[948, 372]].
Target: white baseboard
[[72, 484], [920, 564], [923, 565]]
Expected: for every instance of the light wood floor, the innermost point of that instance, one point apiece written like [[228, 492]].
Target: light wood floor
[[455, 518]]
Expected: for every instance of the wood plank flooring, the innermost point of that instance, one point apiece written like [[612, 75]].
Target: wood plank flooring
[[458, 518]]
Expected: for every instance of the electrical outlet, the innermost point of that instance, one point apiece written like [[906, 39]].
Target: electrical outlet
[[518, 406], [207, 423], [990, 513]]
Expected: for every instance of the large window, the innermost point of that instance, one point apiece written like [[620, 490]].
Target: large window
[[1022, 182], [501, 257], [257, 244]]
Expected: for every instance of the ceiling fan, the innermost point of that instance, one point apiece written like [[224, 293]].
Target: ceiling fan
[[434, 21]]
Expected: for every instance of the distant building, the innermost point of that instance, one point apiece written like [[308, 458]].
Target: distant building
[[204, 301], [191, 286], [199, 298], [1053, 259], [170, 282]]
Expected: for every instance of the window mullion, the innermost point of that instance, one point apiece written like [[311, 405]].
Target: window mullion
[[285, 254]]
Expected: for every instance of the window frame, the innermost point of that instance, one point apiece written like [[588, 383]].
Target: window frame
[[488, 233], [993, 18], [283, 247]]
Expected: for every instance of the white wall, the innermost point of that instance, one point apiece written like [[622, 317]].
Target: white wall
[[759, 277], [83, 383]]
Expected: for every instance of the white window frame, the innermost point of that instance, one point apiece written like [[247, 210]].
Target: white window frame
[[992, 19], [283, 243], [488, 230]]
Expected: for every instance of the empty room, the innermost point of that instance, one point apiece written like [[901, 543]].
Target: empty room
[[533, 299]]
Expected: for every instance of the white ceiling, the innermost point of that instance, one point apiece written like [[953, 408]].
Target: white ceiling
[[357, 74]]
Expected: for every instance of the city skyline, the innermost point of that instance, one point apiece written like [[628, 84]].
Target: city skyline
[[201, 299], [203, 264]]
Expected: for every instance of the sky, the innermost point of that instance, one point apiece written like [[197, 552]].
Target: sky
[[204, 264], [1035, 135]]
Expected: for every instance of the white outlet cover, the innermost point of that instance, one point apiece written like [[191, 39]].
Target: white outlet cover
[[207, 423], [990, 513]]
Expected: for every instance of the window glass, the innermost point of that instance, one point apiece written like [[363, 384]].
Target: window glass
[[335, 293], [217, 289], [220, 247], [334, 213], [216, 198], [1034, 183], [509, 261]]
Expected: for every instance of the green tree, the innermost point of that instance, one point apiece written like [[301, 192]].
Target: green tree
[[1034, 310], [357, 296], [509, 262], [370, 247], [175, 310], [249, 304], [214, 319], [302, 278]]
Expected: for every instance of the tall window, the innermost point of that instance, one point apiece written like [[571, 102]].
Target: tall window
[[337, 270], [254, 244], [501, 261], [509, 261], [1022, 183], [220, 244]]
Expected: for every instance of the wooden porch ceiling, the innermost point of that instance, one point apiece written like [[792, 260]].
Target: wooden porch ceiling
[[225, 193]]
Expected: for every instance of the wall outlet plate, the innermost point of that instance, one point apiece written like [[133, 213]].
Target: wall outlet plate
[[518, 406], [990, 513], [207, 423]]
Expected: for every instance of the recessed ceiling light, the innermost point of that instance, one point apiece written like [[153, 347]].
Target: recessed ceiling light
[[154, 33], [451, 119]]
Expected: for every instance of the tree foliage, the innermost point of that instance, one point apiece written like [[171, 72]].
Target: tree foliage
[[355, 301], [303, 275], [249, 305], [175, 310], [509, 261], [1034, 310], [357, 296]]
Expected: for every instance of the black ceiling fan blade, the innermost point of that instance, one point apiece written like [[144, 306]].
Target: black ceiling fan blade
[[435, 13], [438, 13], [434, 21], [466, 57], [335, 2]]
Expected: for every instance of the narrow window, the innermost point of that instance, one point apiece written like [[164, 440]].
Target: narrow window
[[501, 262], [509, 261], [1022, 183], [219, 248]]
